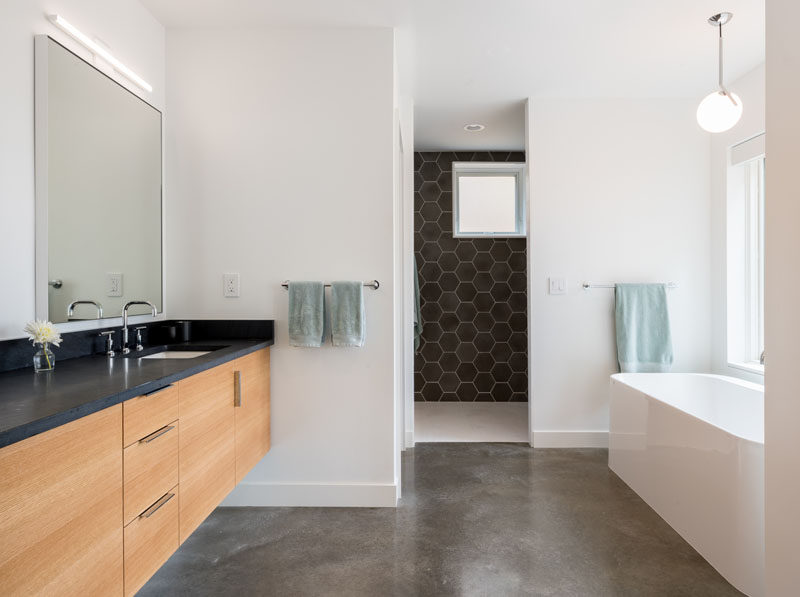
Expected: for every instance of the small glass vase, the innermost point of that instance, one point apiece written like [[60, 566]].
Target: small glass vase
[[44, 359]]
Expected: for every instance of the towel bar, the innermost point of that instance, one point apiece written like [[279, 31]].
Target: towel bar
[[374, 284], [588, 285]]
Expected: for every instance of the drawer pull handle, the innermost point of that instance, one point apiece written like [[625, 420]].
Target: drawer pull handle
[[155, 507], [151, 392], [237, 388], [156, 434]]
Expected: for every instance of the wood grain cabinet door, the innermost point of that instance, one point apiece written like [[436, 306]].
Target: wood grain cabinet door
[[251, 399], [150, 539], [142, 415], [150, 469], [206, 454], [61, 509]]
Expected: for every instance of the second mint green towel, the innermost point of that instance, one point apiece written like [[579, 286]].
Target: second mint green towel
[[644, 338], [306, 314], [348, 321]]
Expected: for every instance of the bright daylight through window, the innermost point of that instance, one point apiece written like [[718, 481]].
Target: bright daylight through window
[[746, 200], [488, 199]]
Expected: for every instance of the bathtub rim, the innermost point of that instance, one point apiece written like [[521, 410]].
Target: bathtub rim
[[619, 377]]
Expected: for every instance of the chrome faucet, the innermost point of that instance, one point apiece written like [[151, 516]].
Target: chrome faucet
[[109, 334], [71, 308], [125, 349]]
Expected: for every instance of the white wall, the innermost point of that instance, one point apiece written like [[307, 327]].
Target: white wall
[[280, 159], [134, 36], [620, 192], [750, 88], [781, 399], [407, 132]]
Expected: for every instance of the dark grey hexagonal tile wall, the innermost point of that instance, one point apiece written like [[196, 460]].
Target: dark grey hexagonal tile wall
[[473, 295]]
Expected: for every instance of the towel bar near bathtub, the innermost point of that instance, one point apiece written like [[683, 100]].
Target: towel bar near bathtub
[[374, 284], [588, 285]]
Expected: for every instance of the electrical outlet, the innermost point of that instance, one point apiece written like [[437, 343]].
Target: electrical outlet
[[558, 285], [230, 285], [114, 284]]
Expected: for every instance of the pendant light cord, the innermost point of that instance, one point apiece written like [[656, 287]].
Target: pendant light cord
[[721, 84]]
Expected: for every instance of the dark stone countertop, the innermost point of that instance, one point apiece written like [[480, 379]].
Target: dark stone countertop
[[31, 403]]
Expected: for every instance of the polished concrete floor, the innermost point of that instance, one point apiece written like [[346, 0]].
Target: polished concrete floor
[[475, 519]]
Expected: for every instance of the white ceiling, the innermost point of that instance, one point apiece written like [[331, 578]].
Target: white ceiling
[[477, 60]]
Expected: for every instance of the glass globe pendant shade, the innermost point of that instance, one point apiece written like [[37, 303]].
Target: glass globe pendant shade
[[717, 113]]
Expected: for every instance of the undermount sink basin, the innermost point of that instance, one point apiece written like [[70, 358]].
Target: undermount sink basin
[[173, 351], [177, 354]]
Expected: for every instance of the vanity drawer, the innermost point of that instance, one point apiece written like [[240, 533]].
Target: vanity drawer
[[144, 414], [150, 468], [150, 539]]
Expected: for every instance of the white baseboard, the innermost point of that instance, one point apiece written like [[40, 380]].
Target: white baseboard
[[570, 439], [409, 439], [355, 495]]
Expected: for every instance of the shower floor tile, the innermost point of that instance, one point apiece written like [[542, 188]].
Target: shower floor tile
[[470, 422]]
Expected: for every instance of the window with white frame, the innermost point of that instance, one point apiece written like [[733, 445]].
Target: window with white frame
[[488, 199], [745, 304]]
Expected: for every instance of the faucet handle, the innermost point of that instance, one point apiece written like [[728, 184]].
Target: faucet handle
[[139, 336], [109, 342]]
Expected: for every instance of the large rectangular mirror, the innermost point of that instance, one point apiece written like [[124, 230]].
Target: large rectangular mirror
[[98, 191]]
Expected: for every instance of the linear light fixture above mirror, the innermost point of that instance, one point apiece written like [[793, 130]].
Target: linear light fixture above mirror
[[97, 49]]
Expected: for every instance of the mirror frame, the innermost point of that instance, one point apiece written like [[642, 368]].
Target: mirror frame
[[41, 273]]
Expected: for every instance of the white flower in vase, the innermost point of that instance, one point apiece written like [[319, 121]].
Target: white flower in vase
[[43, 333]]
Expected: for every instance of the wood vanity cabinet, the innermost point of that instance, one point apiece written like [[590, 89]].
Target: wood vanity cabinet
[[224, 419], [96, 506], [251, 410], [150, 456], [144, 414], [207, 461], [61, 509], [150, 539], [151, 433]]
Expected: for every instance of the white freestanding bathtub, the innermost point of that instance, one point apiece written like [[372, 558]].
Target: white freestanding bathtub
[[692, 446]]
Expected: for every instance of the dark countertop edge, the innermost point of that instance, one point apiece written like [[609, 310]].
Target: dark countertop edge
[[22, 432]]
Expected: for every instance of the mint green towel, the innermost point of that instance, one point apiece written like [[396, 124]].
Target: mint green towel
[[306, 314], [348, 322], [644, 339]]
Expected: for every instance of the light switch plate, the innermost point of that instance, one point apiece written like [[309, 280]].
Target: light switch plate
[[113, 284], [230, 285], [558, 285]]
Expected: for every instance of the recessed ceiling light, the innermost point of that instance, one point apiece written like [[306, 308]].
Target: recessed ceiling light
[[474, 127]]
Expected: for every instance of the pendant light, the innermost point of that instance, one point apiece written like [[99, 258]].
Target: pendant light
[[720, 109]]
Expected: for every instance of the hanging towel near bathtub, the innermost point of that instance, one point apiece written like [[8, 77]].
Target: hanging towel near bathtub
[[306, 314], [348, 321], [644, 339]]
